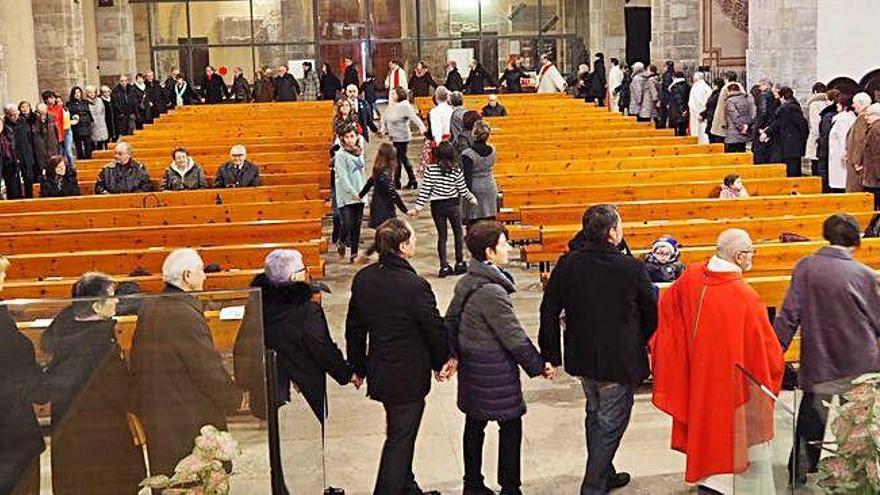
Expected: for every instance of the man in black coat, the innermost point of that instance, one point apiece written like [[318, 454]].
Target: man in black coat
[[125, 105], [454, 82], [286, 87], [665, 83], [765, 109], [238, 171], [363, 111], [20, 132], [215, 90], [789, 131], [350, 76], [396, 309], [610, 314], [157, 96], [598, 83], [124, 174]]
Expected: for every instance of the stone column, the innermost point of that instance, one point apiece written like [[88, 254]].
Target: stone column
[[18, 64], [116, 41], [675, 33], [60, 44], [782, 43], [607, 29]]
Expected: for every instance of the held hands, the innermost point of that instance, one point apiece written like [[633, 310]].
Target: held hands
[[473, 201], [550, 373], [448, 370], [413, 213], [357, 381]]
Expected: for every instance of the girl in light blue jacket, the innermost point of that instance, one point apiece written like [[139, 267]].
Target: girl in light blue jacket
[[350, 178]]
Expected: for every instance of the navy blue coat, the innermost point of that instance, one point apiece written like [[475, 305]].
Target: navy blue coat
[[491, 344]]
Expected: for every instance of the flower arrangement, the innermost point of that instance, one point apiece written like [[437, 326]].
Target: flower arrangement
[[204, 471], [855, 466]]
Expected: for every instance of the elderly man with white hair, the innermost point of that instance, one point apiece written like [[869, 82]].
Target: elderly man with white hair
[[179, 377], [697, 100], [124, 174], [362, 110], [713, 333], [238, 171], [441, 115], [871, 154], [494, 108], [855, 144]]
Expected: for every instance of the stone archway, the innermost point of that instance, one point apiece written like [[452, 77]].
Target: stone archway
[[870, 83], [845, 85]]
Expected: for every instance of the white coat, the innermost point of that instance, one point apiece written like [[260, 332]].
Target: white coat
[[700, 93], [841, 124]]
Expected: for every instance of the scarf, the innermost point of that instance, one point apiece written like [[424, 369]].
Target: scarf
[[354, 150], [179, 90], [396, 77], [141, 86], [544, 69]]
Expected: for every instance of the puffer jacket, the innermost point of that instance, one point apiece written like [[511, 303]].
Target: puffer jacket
[[650, 97], [637, 91], [740, 112], [191, 178], [490, 343], [117, 178]]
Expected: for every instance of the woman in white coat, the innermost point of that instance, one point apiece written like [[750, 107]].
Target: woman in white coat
[[841, 124], [700, 93]]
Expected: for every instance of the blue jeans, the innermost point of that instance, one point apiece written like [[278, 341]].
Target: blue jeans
[[608, 409], [67, 149]]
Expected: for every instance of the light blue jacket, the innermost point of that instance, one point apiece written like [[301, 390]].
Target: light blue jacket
[[350, 178]]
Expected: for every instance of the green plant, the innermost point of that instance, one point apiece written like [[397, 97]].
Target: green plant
[[854, 467]]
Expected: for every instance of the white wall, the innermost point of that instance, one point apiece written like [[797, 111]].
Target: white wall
[[847, 38]]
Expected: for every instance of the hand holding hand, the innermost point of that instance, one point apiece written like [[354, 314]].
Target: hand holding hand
[[473, 201], [413, 213], [448, 370], [550, 372], [356, 381]]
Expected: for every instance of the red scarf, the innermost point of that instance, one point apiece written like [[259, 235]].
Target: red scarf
[[544, 69], [397, 77]]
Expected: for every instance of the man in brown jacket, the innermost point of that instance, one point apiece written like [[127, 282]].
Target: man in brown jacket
[[179, 379], [871, 153], [855, 144]]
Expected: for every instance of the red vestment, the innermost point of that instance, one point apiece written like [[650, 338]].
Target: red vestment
[[709, 323]]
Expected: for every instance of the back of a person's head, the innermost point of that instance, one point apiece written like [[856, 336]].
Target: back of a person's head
[[386, 159], [873, 110], [833, 95], [786, 93], [819, 88], [456, 99], [470, 118], [731, 76], [483, 235], [400, 93], [678, 74], [730, 179], [441, 95], [615, 61], [391, 234], [90, 286], [718, 82], [178, 262], [842, 230], [481, 131], [447, 157], [598, 221], [281, 265], [638, 67]]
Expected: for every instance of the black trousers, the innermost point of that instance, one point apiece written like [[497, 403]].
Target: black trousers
[[734, 147], [352, 217], [810, 429], [509, 447], [715, 139], [402, 423], [403, 164], [820, 168], [609, 407], [643, 119], [442, 211], [876, 192], [681, 128], [662, 116], [84, 147], [793, 167]]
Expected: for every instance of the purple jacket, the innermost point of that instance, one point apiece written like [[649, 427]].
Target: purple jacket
[[834, 300]]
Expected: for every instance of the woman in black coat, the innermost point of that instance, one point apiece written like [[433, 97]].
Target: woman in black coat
[[330, 84], [789, 131], [598, 83], [453, 77], [385, 197], [82, 129], [59, 181], [88, 383], [512, 78], [21, 379], [477, 80]]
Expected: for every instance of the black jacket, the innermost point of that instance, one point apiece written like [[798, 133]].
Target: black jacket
[[496, 111], [215, 89], [421, 85], [598, 82], [365, 117], [665, 82], [330, 86], [286, 88], [129, 178], [385, 198], [143, 108], [21, 379], [157, 97], [513, 79], [57, 187], [241, 88], [80, 108], [228, 175], [826, 121], [765, 108], [124, 100], [350, 76], [395, 307], [789, 130], [679, 94], [711, 104], [295, 327], [610, 314], [368, 88], [454, 82], [477, 80]]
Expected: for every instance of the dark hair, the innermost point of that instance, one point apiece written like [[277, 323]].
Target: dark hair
[[756, 91], [179, 149], [470, 118], [483, 235], [733, 86], [842, 230], [46, 95], [719, 82], [90, 286], [819, 87], [307, 64], [786, 93], [456, 99], [53, 162], [729, 179], [600, 56], [598, 221], [386, 159], [614, 61], [678, 73], [391, 234], [731, 76], [845, 100], [128, 305], [833, 95], [447, 157], [670, 64], [400, 93], [73, 91]]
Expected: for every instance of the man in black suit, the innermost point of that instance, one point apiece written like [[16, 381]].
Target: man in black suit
[[362, 109], [395, 307]]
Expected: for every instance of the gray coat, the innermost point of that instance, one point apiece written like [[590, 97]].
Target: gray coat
[[397, 121], [481, 183], [739, 110], [490, 343], [650, 96], [637, 92], [834, 301], [99, 126]]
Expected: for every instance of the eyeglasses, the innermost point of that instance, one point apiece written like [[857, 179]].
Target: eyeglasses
[[751, 251]]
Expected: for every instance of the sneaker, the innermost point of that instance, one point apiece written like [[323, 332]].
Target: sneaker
[[340, 249], [618, 480], [460, 268], [445, 271]]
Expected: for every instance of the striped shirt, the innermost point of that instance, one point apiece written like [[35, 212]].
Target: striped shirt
[[437, 186]]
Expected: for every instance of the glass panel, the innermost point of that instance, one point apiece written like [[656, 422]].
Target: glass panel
[[393, 19], [436, 53], [525, 49], [763, 430], [165, 60], [449, 18], [293, 55], [406, 54], [283, 21], [335, 54], [341, 20], [507, 17], [224, 22], [168, 23], [115, 379], [224, 60]]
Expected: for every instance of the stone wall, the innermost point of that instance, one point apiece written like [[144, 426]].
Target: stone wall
[[60, 44], [675, 32], [116, 40], [4, 81], [783, 44], [607, 28]]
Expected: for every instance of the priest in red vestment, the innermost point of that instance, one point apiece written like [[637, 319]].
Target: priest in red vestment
[[711, 322]]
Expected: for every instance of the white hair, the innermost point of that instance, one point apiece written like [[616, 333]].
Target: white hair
[[638, 67], [732, 242], [862, 99], [179, 261], [698, 76], [123, 145], [874, 109], [238, 149], [10, 108], [441, 94], [104, 87], [89, 88], [351, 86]]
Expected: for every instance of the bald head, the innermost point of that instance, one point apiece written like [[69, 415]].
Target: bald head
[[735, 246]]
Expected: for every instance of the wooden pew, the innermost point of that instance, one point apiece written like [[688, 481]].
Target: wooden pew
[[272, 194], [595, 143], [149, 149], [159, 165], [499, 140], [582, 164], [576, 152]]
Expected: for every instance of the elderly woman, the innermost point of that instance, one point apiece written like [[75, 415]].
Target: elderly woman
[[183, 173], [238, 171], [100, 134], [477, 163], [21, 440], [88, 382]]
